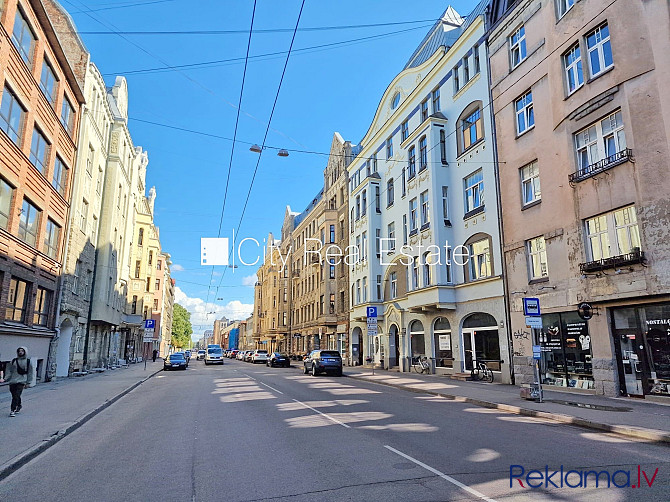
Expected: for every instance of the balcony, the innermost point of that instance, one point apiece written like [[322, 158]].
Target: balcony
[[601, 166], [634, 257]]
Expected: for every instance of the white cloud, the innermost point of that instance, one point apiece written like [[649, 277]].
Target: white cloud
[[249, 280], [198, 308], [176, 267]]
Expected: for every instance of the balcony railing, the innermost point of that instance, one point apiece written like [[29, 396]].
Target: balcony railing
[[622, 260], [601, 166]]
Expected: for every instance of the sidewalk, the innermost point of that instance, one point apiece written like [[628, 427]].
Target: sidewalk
[[625, 416], [54, 409]]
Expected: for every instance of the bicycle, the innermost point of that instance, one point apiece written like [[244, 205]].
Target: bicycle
[[482, 372], [421, 365]]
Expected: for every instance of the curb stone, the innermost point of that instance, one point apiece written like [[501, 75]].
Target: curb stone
[[621, 430], [23, 458]]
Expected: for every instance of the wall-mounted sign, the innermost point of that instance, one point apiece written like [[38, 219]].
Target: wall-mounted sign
[[531, 307]]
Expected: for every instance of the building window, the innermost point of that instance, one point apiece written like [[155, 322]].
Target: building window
[[424, 110], [151, 259], [83, 221], [480, 259], [364, 244], [6, 191], [436, 100], [395, 101], [374, 162], [466, 70], [404, 229], [59, 181], [48, 82], [352, 220], [475, 53], [394, 285], [159, 264], [155, 305], [474, 191], [379, 288], [443, 146], [17, 302], [67, 116], [365, 289], [472, 129], [412, 216], [11, 115], [98, 182], [530, 183], [403, 187], [450, 278], [390, 193], [75, 277], [39, 151], [358, 291], [415, 272], [377, 200], [456, 81], [364, 203], [411, 162], [42, 307], [332, 274], [600, 50], [404, 131], [525, 119], [23, 37], [614, 233], [138, 264], [29, 223], [389, 148], [426, 270], [600, 141], [574, 76], [564, 6], [140, 237], [423, 153], [517, 47], [445, 204], [425, 215], [391, 235], [537, 258], [51, 238]]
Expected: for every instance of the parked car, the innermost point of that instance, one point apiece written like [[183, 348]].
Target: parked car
[[240, 355], [323, 361], [259, 356], [185, 358], [214, 356], [200, 355], [175, 361], [247, 356], [278, 359], [233, 354]]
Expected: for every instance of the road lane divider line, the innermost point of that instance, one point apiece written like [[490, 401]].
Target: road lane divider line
[[272, 388], [453, 481], [323, 414]]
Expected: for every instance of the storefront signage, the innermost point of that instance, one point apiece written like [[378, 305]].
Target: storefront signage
[[585, 311], [444, 342], [534, 322], [531, 307]]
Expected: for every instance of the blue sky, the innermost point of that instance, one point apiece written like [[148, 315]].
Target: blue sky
[[325, 90]]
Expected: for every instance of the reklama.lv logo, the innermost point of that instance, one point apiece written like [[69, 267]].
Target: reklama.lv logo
[[536, 478]]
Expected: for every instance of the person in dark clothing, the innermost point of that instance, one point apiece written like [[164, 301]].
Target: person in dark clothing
[[19, 375], [155, 355]]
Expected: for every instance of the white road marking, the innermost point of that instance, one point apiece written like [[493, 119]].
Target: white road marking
[[441, 474], [270, 387], [323, 414]]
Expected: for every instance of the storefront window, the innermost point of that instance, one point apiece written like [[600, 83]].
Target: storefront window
[[566, 356], [418, 343], [442, 334]]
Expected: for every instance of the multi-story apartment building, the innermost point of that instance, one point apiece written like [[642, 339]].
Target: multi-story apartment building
[[584, 189], [246, 339], [425, 238], [271, 298], [39, 119], [164, 302], [219, 326]]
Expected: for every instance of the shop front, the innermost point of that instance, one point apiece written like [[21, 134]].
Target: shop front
[[566, 351], [642, 346]]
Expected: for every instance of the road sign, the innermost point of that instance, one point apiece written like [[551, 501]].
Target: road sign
[[531, 307], [537, 352], [372, 312], [149, 324], [148, 335], [534, 322]]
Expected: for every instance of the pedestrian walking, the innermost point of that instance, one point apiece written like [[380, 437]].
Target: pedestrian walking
[[155, 355], [19, 375]]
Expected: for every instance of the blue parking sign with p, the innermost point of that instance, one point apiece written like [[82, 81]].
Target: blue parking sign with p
[[372, 311], [149, 323]]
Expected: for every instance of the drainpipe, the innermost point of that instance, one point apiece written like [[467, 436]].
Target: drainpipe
[[508, 324]]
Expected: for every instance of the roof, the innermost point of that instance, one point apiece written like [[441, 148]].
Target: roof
[[444, 32], [308, 209]]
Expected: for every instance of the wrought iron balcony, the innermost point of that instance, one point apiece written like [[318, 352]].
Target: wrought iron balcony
[[635, 256], [601, 166]]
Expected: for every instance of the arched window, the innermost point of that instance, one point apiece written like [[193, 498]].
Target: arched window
[[442, 336], [395, 101], [470, 127], [417, 339]]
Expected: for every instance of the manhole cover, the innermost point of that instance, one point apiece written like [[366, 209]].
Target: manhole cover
[[589, 406], [404, 465]]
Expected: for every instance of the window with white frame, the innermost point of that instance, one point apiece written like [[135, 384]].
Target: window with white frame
[[436, 100], [572, 62], [415, 272], [474, 191], [83, 219], [365, 289], [537, 258], [358, 291], [480, 259], [466, 70], [411, 162], [472, 129], [517, 46], [379, 288], [525, 118], [564, 6], [403, 177], [98, 182], [364, 203], [424, 110], [389, 148], [378, 236], [475, 53], [423, 153], [445, 203], [599, 50], [404, 131], [404, 229], [378, 207], [426, 269], [530, 183], [358, 207], [457, 85], [391, 235], [390, 193], [599, 141], [364, 244], [443, 146], [394, 285], [612, 234], [412, 216], [425, 214]]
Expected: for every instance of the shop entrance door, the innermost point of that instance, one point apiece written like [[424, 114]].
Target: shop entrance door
[[634, 367], [481, 345]]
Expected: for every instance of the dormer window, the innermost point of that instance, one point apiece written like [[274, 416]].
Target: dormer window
[[395, 101]]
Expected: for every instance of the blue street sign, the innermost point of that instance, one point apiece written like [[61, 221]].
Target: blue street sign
[[531, 307], [149, 324], [372, 312]]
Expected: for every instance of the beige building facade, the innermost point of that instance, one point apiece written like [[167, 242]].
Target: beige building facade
[[584, 189]]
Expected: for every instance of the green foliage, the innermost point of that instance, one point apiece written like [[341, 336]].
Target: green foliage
[[181, 326]]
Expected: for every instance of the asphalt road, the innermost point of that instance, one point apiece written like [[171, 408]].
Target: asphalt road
[[244, 433]]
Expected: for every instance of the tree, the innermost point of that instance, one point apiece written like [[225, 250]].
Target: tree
[[181, 326]]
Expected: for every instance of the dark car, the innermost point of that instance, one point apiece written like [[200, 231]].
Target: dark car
[[233, 354], [278, 359], [323, 361], [201, 355], [175, 361]]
